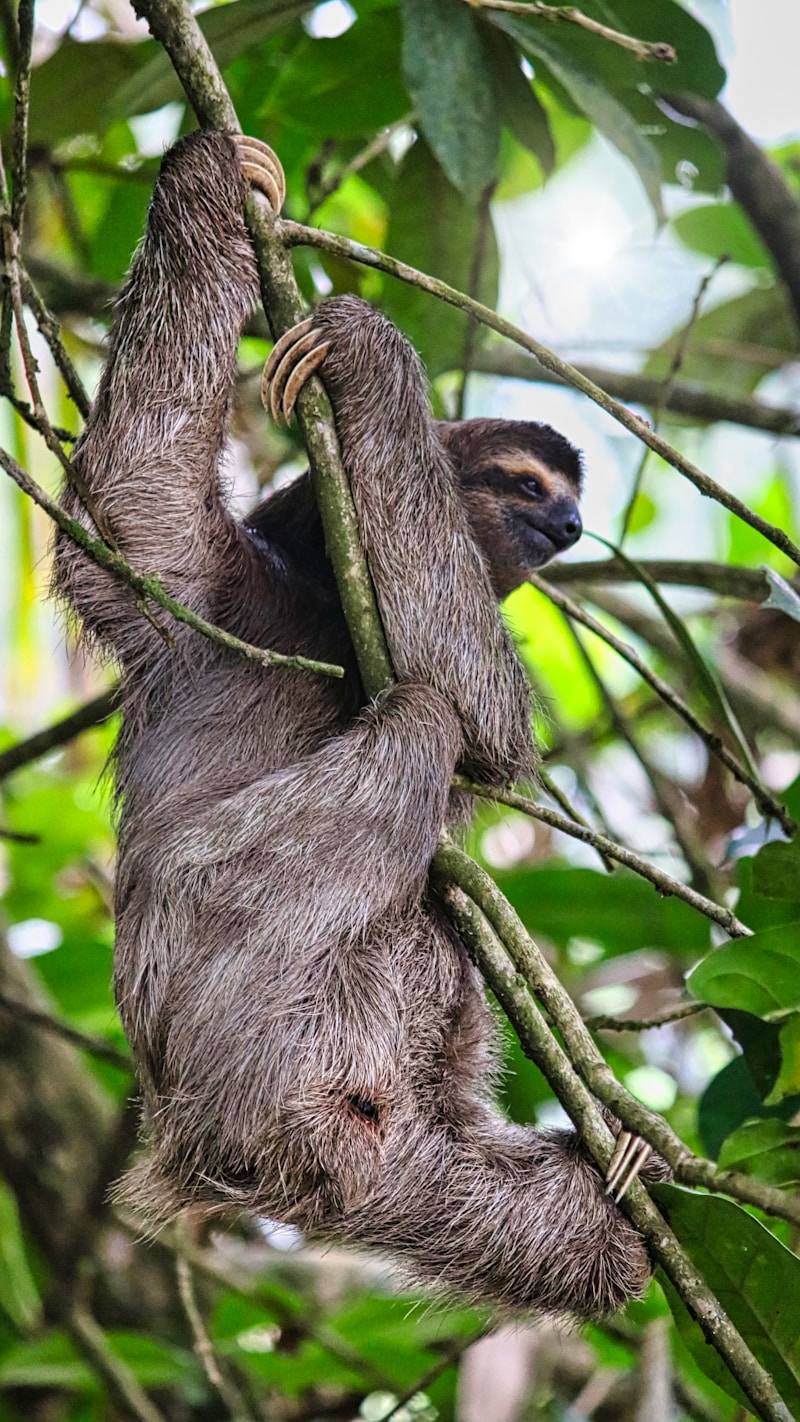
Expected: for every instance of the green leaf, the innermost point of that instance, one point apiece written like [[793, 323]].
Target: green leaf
[[782, 595], [354, 81], [447, 77], [722, 230], [776, 870], [728, 1100], [759, 974], [442, 242], [591, 97], [18, 1293], [619, 911], [769, 1149], [787, 1086], [735, 344], [520, 107], [755, 1278]]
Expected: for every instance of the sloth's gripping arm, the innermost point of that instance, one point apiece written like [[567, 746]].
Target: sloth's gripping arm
[[433, 587], [150, 452]]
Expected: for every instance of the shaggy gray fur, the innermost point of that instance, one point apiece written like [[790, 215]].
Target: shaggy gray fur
[[312, 1040]]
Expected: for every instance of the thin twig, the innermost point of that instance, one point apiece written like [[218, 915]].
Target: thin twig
[[686, 397], [298, 235], [123, 1388], [663, 882], [49, 329], [672, 373], [91, 713], [642, 49], [601, 1022], [359, 161], [556, 793], [148, 586], [450, 1356], [224, 1386], [95, 1046], [765, 801]]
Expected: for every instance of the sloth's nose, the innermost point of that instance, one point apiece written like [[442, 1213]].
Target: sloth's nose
[[566, 526]]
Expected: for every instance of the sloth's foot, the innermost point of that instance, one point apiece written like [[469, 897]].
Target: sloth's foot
[[299, 352], [631, 1153], [262, 168]]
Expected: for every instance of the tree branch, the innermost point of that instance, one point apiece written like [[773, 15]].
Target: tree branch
[[149, 587], [482, 919], [641, 49], [764, 799], [724, 579], [634, 388], [298, 235], [664, 883], [91, 713], [757, 184]]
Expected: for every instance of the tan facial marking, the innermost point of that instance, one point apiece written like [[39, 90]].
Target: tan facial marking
[[520, 467]]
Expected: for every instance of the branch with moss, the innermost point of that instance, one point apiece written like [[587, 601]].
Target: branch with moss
[[482, 919], [298, 235], [149, 587]]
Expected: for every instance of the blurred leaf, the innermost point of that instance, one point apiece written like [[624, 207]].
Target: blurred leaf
[[434, 228], [776, 870], [722, 230], [618, 911], [344, 87], [230, 29], [520, 107], [787, 1086], [730, 1098], [768, 1149], [591, 96], [19, 1296], [735, 344], [83, 87], [755, 1278], [51, 1362], [453, 93], [782, 595], [759, 974], [760, 1043]]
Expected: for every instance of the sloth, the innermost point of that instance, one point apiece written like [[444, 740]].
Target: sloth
[[311, 1038]]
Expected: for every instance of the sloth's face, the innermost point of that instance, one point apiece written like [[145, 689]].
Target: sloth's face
[[538, 505]]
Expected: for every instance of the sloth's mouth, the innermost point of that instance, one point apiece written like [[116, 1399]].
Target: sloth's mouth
[[539, 547]]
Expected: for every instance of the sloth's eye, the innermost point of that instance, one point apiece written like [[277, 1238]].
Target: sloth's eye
[[532, 488]]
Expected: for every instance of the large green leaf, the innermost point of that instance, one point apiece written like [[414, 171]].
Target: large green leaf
[[432, 226], [591, 96], [520, 107], [755, 1278], [453, 92], [722, 230], [344, 87], [769, 1149], [759, 974], [619, 911]]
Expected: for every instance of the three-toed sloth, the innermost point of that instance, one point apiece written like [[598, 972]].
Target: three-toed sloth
[[312, 1040]]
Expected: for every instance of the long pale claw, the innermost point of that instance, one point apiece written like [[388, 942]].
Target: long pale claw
[[630, 1154], [294, 357], [262, 168]]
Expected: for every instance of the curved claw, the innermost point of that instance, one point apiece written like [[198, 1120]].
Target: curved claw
[[294, 357], [630, 1154], [262, 169]]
